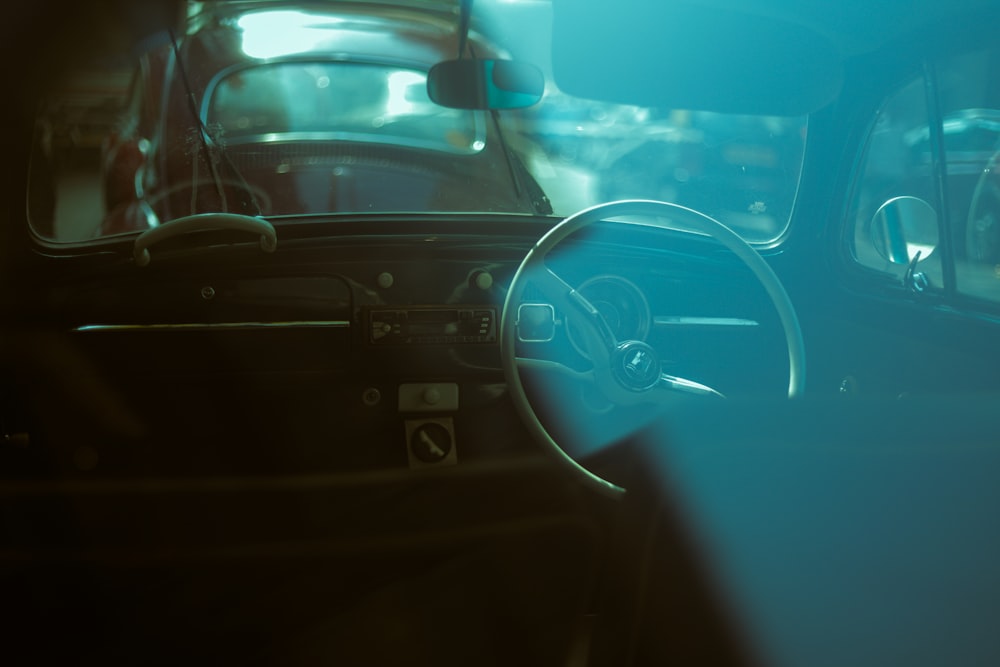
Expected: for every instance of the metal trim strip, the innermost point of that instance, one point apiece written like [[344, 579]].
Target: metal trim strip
[[211, 326]]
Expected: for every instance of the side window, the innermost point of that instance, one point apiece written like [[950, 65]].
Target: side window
[[73, 170], [897, 164], [74, 122], [970, 106]]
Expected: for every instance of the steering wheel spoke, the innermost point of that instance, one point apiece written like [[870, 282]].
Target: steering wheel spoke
[[597, 335], [674, 383], [550, 284], [567, 298]]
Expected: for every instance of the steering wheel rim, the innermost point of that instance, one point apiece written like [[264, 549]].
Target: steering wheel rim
[[653, 214]]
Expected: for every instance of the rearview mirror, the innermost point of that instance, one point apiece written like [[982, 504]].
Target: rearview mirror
[[903, 227], [485, 84]]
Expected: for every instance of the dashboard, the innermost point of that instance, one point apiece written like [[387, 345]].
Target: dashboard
[[372, 352]]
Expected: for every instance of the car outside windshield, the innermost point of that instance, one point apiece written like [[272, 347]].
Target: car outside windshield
[[340, 123]]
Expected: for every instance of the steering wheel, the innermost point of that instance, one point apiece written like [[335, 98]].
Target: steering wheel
[[625, 372]]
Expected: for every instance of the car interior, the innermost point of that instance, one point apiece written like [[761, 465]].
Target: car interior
[[470, 421]]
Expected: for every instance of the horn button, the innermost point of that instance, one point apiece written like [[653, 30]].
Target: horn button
[[636, 365]]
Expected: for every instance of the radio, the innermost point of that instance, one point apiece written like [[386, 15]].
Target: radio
[[432, 326]]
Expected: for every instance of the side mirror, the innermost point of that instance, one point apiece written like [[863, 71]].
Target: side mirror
[[903, 227], [485, 84]]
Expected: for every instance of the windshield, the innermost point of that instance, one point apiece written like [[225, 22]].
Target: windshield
[[339, 122]]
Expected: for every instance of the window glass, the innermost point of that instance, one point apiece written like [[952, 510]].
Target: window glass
[[742, 170], [334, 119], [970, 105], [897, 164], [73, 127]]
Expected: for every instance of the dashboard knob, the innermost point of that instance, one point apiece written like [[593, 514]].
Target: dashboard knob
[[482, 279], [371, 397], [432, 396], [385, 280]]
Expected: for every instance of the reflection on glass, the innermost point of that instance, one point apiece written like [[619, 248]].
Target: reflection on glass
[[272, 34]]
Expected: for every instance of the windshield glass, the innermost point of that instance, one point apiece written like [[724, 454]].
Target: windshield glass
[[337, 101], [339, 122]]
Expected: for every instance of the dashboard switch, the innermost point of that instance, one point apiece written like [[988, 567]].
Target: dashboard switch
[[428, 397]]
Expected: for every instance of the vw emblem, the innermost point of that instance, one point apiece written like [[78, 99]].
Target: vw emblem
[[636, 366]]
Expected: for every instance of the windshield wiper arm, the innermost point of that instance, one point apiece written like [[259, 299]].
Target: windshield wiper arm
[[208, 144], [519, 174]]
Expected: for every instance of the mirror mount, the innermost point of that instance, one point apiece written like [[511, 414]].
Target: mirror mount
[[914, 280], [471, 83], [464, 17]]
